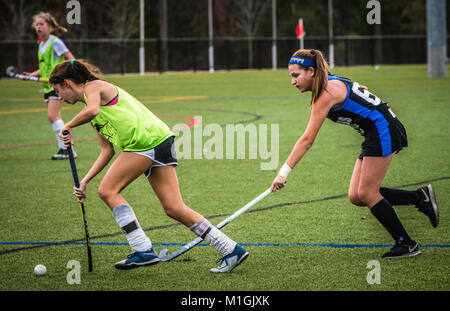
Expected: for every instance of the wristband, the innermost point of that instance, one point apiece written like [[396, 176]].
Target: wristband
[[67, 127], [285, 170]]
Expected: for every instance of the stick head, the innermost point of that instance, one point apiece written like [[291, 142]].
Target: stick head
[[163, 253], [10, 71]]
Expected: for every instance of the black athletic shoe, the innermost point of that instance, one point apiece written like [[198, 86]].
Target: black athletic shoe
[[402, 249], [62, 154], [428, 205]]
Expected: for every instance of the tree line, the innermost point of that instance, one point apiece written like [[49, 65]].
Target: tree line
[[232, 18], [249, 20]]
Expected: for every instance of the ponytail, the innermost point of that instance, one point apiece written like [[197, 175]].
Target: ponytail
[[79, 71], [51, 21], [321, 71]]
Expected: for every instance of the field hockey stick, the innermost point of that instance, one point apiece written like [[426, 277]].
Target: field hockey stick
[[83, 213], [10, 71], [163, 254]]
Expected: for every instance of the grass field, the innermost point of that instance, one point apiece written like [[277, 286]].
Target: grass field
[[307, 237]]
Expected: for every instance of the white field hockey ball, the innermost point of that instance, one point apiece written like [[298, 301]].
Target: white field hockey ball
[[40, 270]]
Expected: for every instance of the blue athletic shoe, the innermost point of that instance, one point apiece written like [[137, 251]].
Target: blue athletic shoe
[[230, 261], [138, 259]]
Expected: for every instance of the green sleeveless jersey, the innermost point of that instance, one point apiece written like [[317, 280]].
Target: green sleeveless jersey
[[128, 124], [47, 63]]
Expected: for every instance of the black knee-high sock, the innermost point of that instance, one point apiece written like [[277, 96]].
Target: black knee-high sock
[[386, 215], [401, 197]]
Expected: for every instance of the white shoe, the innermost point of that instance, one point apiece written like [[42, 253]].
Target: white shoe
[[63, 154]]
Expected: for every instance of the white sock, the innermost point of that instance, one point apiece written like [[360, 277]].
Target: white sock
[[57, 126], [136, 237], [214, 237], [220, 241]]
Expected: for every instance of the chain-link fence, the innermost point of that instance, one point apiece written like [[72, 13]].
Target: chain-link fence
[[122, 56]]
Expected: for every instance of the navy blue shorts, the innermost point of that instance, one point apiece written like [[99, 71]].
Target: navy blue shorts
[[162, 155]]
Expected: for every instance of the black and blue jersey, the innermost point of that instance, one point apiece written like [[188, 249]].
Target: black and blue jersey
[[371, 117]]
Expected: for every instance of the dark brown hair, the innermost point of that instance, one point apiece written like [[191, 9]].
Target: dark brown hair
[[321, 71], [79, 71]]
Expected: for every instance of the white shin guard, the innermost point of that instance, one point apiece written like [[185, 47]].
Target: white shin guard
[[214, 237], [57, 126], [127, 221], [220, 241]]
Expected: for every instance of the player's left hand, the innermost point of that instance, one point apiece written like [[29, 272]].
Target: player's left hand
[[80, 192], [278, 183]]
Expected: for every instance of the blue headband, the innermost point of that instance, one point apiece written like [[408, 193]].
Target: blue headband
[[72, 61], [302, 61]]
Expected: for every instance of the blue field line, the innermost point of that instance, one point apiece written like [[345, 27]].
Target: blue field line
[[243, 244]]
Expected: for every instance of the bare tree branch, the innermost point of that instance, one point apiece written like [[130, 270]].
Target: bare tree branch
[[249, 13], [247, 17], [123, 18]]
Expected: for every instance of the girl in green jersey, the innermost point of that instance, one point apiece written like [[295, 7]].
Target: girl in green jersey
[[51, 52], [147, 146]]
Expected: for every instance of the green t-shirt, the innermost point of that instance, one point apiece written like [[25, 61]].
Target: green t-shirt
[[47, 63], [128, 124]]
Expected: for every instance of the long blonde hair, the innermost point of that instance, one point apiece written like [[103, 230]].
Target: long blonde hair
[[51, 21], [322, 70]]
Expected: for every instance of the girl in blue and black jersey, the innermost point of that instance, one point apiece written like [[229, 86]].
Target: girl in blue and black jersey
[[347, 102]]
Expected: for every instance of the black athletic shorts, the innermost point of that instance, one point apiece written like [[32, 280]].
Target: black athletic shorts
[[162, 155], [51, 95], [372, 146]]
